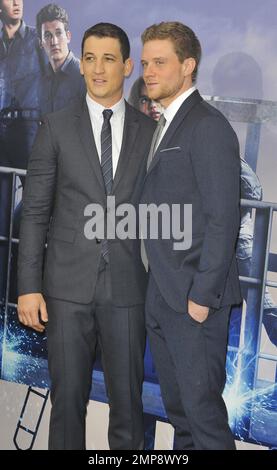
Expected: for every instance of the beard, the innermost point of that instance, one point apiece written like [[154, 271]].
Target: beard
[[164, 92]]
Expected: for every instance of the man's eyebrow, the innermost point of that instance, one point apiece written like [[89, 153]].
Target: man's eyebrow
[[47, 31], [110, 54], [106, 54], [154, 58]]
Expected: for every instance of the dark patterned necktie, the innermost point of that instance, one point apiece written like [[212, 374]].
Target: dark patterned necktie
[[106, 151], [106, 165]]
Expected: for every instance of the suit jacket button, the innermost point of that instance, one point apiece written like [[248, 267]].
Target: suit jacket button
[[98, 240]]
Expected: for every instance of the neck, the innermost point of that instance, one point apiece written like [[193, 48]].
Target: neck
[[11, 27], [57, 64], [106, 102]]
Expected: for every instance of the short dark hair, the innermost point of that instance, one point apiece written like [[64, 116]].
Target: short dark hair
[[185, 41], [51, 12], [109, 30]]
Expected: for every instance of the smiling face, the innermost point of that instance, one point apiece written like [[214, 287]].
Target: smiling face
[[11, 10], [165, 76], [55, 40], [104, 70]]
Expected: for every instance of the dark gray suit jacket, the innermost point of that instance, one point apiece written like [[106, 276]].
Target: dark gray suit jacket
[[197, 163], [64, 176]]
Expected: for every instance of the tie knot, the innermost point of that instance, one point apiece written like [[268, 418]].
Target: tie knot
[[107, 114]]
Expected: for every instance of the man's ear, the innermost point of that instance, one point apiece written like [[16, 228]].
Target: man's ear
[[68, 35], [189, 65], [81, 67], [128, 67]]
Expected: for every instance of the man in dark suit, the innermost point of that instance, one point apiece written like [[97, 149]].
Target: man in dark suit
[[90, 289], [194, 160]]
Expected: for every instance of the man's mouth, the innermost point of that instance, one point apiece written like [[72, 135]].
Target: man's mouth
[[99, 81], [155, 114]]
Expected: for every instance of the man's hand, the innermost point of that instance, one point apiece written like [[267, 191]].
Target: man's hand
[[28, 308], [197, 312]]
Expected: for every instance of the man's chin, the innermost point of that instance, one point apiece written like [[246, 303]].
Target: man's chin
[[56, 56], [16, 18], [154, 96]]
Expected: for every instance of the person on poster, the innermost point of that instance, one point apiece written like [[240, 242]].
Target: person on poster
[[239, 75], [90, 289], [21, 66], [194, 160], [140, 100], [62, 81]]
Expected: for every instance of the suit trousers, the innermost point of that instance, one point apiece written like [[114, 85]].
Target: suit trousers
[[190, 360], [72, 333]]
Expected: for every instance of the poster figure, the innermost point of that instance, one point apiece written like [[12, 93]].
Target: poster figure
[[21, 67], [62, 81]]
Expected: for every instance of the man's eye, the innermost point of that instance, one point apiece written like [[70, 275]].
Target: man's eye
[[144, 100]]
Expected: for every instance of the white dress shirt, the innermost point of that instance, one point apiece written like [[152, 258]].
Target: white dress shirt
[[117, 125], [172, 109]]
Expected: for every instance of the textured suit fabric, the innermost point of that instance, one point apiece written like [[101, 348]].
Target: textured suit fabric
[[197, 162], [88, 300], [73, 331], [64, 176]]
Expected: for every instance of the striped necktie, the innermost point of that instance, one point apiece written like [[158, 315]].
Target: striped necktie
[[106, 151], [106, 166]]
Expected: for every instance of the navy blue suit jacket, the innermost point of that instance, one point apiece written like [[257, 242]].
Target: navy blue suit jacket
[[197, 162]]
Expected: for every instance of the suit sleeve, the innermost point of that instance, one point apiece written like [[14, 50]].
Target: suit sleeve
[[38, 200], [216, 164]]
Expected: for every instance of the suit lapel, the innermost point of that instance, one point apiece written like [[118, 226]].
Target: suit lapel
[[131, 126], [86, 136], [178, 119]]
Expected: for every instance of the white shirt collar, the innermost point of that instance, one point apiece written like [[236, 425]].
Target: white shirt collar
[[172, 109], [97, 109]]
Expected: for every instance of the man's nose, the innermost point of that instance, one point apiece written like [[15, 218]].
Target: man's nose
[[54, 40], [148, 71], [99, 67]]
